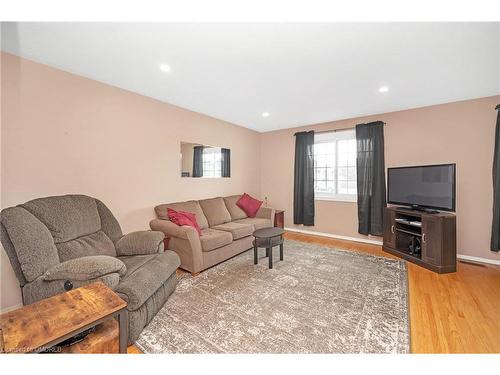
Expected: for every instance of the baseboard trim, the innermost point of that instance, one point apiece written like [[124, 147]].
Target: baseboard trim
[[10, 308], [479, 259], [376, 242], [336, 236]]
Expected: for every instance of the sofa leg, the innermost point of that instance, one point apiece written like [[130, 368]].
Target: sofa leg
[[194, 274]]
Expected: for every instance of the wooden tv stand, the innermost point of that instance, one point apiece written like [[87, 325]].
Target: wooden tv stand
[[435, 231]]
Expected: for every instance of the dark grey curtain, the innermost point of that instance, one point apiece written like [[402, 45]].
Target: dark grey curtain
[[303, 189], [226, 162], [198, 161], [371, 177], [495, 230]]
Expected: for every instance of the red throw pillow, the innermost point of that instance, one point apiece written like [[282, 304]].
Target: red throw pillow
[[249, 205], [183, 218]]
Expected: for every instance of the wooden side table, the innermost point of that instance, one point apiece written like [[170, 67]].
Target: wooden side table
[[46, 323], [279, 218]]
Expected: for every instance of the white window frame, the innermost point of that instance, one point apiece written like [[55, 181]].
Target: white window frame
[[328, 137], [211, 152]]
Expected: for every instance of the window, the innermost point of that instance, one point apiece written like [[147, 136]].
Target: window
[[212, 162], [335, 166]]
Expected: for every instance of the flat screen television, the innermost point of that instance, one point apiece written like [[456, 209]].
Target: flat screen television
[[422, 187]]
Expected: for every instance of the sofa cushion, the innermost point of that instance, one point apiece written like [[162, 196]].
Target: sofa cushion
[[238, 230], [212, 239], [94, 244], [249, 204], [143, 281], [235, 212], [257, 222], [86, 268], [189, 206], [109, 224], [67, 217], [215, 211]]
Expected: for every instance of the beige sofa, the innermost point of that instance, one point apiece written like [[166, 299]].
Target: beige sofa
[[226, 231]]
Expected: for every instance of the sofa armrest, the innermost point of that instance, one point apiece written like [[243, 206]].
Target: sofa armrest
[[266, 213], [142, 242], [173, 230], [39, 288], [85, 268], [184, 240]]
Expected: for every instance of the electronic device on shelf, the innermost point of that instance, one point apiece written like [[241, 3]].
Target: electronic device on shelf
[[70, 341], [413, 223], [415, 246], [426, 188], [403, 221]]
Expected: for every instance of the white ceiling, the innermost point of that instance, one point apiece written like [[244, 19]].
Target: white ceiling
[[300, 73]]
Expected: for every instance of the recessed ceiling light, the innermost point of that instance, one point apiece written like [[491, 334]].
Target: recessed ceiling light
[[383, 89], [265, 114], [164, 67]]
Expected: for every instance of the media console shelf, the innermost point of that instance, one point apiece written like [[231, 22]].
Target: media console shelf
[[426, 239]]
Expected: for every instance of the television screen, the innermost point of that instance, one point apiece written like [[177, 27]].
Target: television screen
[[430, 186]]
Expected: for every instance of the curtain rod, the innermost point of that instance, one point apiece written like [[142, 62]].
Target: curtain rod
[[334, 130], [342, 129]]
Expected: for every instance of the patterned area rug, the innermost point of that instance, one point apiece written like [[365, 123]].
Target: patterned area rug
[[318, 300]]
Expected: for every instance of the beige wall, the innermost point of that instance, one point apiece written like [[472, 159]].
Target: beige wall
[[461, 133], [62, 133]]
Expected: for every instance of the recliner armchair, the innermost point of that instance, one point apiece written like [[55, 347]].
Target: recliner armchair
[[58, 243]]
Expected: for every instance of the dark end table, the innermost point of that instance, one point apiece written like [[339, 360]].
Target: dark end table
[[279, 219], [268, 238]]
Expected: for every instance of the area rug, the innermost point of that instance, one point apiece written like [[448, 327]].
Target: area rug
[[317, 300]]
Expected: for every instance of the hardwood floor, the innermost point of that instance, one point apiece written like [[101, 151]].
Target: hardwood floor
[[449, 313], [132, 349]]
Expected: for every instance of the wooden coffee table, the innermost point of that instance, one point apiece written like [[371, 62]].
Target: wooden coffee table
[[46, 323], [268, 238]]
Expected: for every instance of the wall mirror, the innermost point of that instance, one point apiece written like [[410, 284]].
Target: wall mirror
[[199, 160]]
